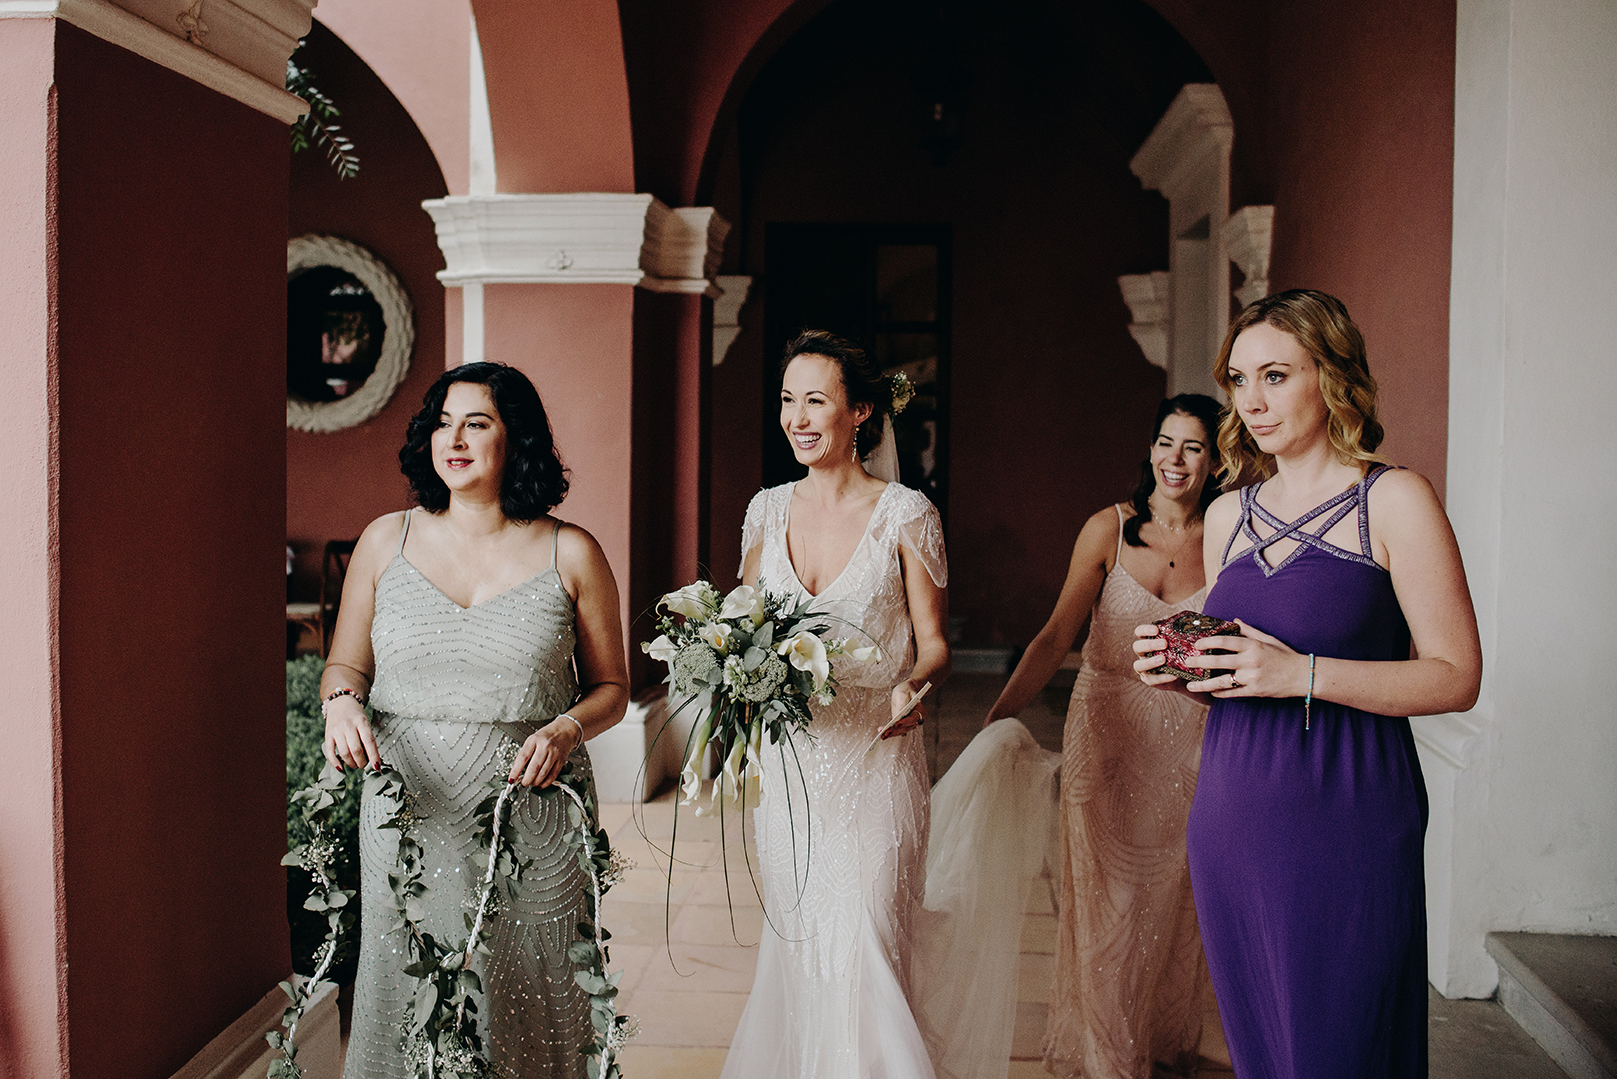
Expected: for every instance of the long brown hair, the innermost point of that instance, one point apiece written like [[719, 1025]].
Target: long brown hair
[[1320, 323]]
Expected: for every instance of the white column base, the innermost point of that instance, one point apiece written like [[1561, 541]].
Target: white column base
[[631, 761], [240, 1052]]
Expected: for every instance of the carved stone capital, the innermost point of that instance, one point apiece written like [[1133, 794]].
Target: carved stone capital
[[1193, 136], [1247, 237], [235, 47], [733, 292], [582, 238], [1148, 296]]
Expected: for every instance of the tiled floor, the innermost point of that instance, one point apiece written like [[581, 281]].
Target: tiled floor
[[686, 942], [687, 955]]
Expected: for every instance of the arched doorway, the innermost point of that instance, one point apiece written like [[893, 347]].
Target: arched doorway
[[993, 145]]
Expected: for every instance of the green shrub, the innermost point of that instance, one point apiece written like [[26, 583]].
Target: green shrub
[[305, 731]]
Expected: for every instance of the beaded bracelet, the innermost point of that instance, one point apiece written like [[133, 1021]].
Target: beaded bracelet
[[343, 692], [1308, 701]]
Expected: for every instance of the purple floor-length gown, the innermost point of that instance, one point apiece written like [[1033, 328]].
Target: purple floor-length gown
[[1305, 845]]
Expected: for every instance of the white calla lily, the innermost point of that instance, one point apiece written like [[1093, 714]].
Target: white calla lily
[[744, 602], [717, 635], [693, 601], [867, 654], [806, 652], [662, 649], [690, 779]]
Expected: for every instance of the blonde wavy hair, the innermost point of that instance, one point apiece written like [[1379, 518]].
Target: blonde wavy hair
[[1319, 322]]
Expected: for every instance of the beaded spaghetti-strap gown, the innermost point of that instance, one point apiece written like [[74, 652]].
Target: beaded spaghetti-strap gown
[[453, 686], [1129, 968], [1306, 842]]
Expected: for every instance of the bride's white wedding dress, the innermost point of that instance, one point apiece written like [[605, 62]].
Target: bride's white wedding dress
[[842, 990]]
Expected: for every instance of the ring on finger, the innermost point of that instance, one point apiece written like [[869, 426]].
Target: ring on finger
[[1233, 683]]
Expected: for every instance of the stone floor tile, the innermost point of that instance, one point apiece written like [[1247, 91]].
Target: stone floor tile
[[1034, 978], [701, 968], [741, 927], [709, 889], [684, 1018], [631, 961], [1039, 933], [1027, 1069], [647, 885], [613, 815], [635, 923], [664, 1062], [1027, 1041]]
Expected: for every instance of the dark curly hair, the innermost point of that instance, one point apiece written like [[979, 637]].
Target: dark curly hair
[[1199, 407], [534, 482], [862, 380]]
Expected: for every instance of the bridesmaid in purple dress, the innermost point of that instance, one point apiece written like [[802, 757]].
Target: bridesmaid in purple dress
[[1306, 831]]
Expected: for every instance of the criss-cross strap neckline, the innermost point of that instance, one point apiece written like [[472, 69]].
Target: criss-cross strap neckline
[[1342, 503]]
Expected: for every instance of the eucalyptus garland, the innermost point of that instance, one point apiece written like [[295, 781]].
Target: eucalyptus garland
[[437, 1037]]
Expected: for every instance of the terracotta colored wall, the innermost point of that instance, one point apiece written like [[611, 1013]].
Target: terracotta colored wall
[[171, 269], [421, 50], [338, 483], [576, 343], [1362, 106], [33, 1014], [558, 94], [1344, 121], [1052, 398]]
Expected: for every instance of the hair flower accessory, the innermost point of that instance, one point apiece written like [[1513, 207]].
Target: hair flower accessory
[[903, 391]]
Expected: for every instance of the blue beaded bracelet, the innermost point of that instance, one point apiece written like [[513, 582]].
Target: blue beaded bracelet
[[1308, 701]]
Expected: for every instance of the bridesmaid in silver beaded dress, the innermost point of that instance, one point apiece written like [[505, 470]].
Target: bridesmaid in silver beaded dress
[[464, 622]]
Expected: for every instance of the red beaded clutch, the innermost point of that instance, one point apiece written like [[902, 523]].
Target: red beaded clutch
[[1182, 631]]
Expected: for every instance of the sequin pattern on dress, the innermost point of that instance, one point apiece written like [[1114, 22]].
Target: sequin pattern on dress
[[842, 828], [453, 685]]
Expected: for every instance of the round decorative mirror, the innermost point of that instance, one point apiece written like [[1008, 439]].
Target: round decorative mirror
[[350, 331]]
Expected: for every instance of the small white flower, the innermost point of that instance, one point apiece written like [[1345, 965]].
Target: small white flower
[[806, 652], [693, 601], [717, 635], [690, 778], [662, 649], [744, 602], [867, 654]]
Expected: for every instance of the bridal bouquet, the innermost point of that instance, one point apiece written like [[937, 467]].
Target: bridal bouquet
[[762, 658]]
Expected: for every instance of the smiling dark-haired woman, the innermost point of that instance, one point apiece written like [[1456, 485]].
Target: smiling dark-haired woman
[[481, 624]]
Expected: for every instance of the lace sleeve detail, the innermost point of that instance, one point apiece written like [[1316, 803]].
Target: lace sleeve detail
[[917, 526], [752, 528]]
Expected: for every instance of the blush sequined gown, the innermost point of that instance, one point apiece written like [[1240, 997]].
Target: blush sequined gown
[[453, 685], [1129, 968], [842, 828]]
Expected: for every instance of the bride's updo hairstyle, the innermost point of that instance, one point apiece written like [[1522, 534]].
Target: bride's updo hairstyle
[[1204, 410], [1319, 322], [534, 481], [862, 380]]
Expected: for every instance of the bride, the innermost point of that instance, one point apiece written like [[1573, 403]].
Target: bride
[[842, 828]]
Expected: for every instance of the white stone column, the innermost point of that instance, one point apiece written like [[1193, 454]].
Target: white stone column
[[578, 238], [1187, 158], [1247, 237], [1523, 798], [237, 48]]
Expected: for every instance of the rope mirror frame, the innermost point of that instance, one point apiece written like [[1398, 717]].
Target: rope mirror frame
[[310, 251]]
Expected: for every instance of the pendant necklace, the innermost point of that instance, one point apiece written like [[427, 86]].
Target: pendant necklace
[[1176, 551]]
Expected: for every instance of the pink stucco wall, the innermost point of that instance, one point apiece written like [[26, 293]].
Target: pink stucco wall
[[1344, 121], [142, 323], [337, 483], [1362, 115], [421, 51], [33, 983]]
